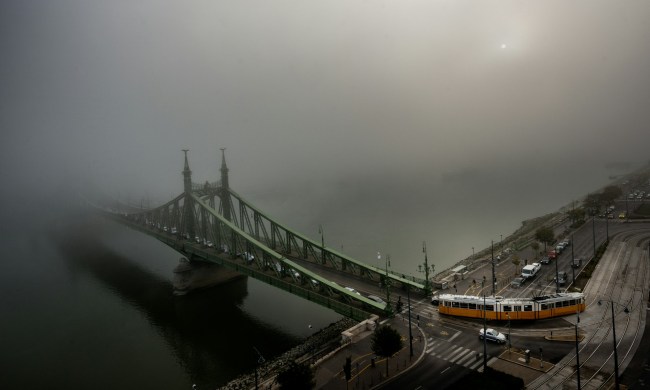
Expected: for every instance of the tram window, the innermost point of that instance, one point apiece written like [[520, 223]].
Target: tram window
[[572, 302], [472, 306], [507, 308], [463, 305], [544, 306], [489, 307], [528, 307], [454, 304], [446, 303], [517, 308]]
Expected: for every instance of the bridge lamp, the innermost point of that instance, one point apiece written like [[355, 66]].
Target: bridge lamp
[[322, 243], [626, 310]]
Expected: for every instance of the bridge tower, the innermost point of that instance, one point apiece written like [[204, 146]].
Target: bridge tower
[[224, 193], [188, 209]]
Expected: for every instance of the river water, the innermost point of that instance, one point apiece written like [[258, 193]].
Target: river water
[[87, 303]]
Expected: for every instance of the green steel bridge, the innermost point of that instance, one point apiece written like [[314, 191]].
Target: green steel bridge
[[212, 223]]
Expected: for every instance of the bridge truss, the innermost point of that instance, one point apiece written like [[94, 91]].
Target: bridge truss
[[212, 223]]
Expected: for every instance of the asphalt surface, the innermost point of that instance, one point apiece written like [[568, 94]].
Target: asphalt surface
[[445, 349]]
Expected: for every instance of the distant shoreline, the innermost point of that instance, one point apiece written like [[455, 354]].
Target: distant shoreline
[[524, 235]]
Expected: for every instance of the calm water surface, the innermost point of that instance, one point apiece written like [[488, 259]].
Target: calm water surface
[[90, 306], [87, 303]]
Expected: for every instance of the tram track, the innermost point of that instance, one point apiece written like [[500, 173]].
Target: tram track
[[639, 324], [605, 338], [597, 339]]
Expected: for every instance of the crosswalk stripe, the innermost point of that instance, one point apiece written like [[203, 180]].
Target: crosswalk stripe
[[432, 346], [459, 356], [476, 364], [465, 359], [453, 354]]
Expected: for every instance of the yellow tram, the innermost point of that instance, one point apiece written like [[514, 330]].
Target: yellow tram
[[499, 308]]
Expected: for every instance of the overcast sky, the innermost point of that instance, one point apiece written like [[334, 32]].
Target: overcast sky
[[306, 93]]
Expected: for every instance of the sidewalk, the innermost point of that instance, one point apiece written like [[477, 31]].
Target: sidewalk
[[329, 373], [514, 363]]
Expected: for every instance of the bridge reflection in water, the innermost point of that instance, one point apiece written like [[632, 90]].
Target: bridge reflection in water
[[208, 332]]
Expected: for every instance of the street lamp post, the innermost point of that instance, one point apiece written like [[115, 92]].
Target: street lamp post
[[573, 263], [625, 309], [494, 279], [577, 350], [557, 279], [408, 302], [593, 232], [322, 243], [509, 344], [386, 281], [484, 330]]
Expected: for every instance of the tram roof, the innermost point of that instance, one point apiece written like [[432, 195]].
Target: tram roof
[[511, 301]]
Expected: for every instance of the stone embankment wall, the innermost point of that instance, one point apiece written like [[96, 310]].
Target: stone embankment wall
[[315, 347]]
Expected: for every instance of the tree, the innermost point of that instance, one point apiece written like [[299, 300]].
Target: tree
[[611, 193], [297, 376], [577, 214], [592, 203], [515, 260], [535, 247], [545, 234], [386, 342]]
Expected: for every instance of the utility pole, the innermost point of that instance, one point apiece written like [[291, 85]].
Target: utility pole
[[408, 298], [593, 232], [386, 281], [577, 350], [573, 263], [484, 331], [494, 278]]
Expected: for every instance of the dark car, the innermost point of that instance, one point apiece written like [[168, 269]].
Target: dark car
[[577, 262], [517, 282], [545, 260], [561, 278]]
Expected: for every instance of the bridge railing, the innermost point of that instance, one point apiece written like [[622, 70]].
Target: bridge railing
[[283, 260], [330, 251]]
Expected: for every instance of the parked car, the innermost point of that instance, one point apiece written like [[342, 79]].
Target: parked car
[[492, 335], [545, 260], [561, 278], [517, 282]]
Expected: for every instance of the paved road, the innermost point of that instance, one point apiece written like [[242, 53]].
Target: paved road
[[448, 346]]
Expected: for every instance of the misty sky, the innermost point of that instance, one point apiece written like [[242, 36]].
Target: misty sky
[[307, 94]]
